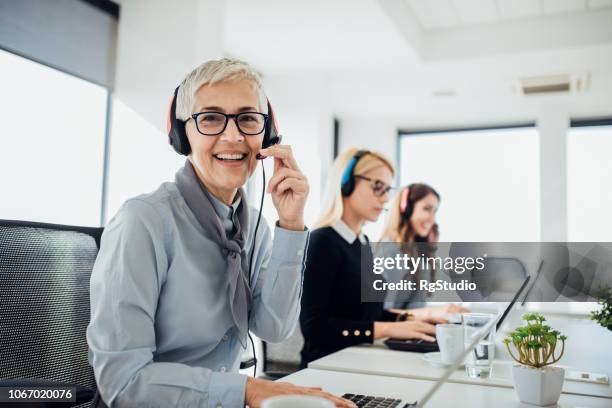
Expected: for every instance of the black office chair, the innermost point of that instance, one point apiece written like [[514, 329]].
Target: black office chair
[[44, 307], [282, 359]]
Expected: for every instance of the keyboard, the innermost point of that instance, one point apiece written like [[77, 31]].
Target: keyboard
[[419, 346], [368, 401]]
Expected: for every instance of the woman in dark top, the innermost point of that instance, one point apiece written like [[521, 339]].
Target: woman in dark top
[[333, 316]]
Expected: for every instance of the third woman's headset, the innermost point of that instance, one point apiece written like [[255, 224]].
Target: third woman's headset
[[406, 206]]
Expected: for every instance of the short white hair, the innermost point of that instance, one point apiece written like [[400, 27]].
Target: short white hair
[[211, 72]]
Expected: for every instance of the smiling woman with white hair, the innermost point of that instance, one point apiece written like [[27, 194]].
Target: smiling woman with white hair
[[181, 278]]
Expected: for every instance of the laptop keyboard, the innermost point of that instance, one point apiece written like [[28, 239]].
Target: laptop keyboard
[[368, 401]]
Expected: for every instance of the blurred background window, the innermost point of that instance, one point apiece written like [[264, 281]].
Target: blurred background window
[[487, 178], [52, 144], [589, 179]]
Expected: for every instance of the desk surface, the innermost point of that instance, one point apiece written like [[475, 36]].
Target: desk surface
[[385, 362], [596, 357], [451, 394]]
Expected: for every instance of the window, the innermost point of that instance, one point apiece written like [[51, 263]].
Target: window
[[589, 175], [488, 180], [52, 144]]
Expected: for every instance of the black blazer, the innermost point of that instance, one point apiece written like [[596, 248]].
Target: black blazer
[[333, 316]]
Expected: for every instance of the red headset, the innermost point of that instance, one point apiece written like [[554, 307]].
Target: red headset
[[405, 205]]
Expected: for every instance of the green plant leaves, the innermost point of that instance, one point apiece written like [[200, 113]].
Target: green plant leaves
[[603, 316], [536, 342]]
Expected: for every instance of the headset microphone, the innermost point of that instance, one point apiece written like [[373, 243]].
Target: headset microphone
[[274, 140]]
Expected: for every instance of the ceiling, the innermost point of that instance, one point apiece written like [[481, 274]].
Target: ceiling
[[435, 14], [430, 62]]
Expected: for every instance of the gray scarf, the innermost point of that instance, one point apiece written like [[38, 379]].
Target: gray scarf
[[200, 202]]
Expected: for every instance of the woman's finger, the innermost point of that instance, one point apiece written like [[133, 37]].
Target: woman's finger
[[296, 185], [340, 402], [282, 174], [282, 153], [436, 320], [425, 337], [426, 327]]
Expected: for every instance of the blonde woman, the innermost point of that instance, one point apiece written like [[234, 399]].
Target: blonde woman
[[333, 316]]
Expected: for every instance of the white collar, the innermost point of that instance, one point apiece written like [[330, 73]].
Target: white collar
[[348, 234]]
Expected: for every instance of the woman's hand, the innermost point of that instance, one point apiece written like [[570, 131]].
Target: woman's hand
[[289, 187], [443, 311], [259, 390], [413, 329]]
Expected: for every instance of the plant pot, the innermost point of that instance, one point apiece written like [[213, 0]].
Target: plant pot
[[538, 386]]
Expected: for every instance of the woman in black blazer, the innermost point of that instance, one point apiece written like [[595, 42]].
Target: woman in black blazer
[[333, 316]]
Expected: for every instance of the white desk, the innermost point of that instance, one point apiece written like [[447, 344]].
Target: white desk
[[384, 362], [451, 394], [587, 348]]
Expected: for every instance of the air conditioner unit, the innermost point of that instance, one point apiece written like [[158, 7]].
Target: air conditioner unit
[[552, 84]]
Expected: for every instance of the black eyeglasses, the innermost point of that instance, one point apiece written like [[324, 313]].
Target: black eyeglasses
[[379, 188], [214, 123]]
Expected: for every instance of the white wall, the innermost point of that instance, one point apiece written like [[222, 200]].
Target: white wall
[[141, 158], [306, 123], [553, 123], [158, 44]]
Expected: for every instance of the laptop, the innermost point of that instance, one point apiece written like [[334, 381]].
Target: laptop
[[422, 346], [369, 401]]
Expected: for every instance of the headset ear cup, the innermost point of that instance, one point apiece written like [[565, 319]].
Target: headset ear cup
[[408, 209], [408, 212], [183, 147], [347, 183], [348, 187], [271, 129], [176, 129]]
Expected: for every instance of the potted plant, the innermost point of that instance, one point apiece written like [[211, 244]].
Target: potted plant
[[604, 315], [537, 347]]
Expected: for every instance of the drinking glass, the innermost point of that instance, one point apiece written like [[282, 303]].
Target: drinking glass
[[480, 360]]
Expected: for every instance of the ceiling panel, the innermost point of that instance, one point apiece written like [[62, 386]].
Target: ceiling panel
[[476, 11], [595, 4], [562, 6], [510, 9], [434, 13]]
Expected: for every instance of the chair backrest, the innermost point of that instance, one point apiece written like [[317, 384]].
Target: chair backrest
[[44, 301], [284, 358], [499, 280]]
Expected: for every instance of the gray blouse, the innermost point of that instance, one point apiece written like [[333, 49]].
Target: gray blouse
[[161, 332]]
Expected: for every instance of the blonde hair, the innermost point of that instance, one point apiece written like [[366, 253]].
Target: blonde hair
[[393, 232], [332, 202], [211, 72]]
